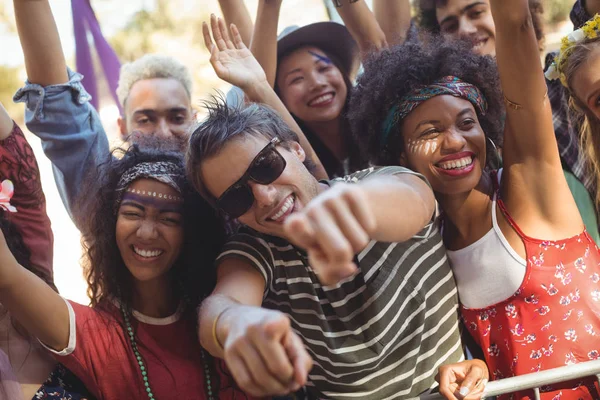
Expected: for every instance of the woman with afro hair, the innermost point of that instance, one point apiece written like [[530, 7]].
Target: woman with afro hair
[[472, 20], [526, 269]]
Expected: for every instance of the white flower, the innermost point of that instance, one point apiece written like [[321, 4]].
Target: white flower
[[576, 36], [552, 72]]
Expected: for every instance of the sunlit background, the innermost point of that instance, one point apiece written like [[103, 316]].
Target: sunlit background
[[134, 28]]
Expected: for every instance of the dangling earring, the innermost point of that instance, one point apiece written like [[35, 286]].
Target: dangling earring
[[496, 163]]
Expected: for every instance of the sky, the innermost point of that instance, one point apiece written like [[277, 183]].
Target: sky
[[113, 15]]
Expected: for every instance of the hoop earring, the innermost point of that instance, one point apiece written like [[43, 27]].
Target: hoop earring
[[497, 163]]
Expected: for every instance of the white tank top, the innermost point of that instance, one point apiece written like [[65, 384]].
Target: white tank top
[[489, 270]]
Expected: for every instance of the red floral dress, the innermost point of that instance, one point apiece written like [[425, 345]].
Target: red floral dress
[[551, 321]]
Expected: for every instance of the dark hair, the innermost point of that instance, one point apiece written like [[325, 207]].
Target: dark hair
[[427, 17], [333, 168], [193, 274], [392, 74], [225, 123]]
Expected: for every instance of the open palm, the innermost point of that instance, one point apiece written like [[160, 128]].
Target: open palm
[[232, 60]]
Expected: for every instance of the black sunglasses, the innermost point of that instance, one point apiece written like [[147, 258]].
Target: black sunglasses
[[265, 168]]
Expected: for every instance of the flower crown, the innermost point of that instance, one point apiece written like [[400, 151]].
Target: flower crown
[[590, 30]]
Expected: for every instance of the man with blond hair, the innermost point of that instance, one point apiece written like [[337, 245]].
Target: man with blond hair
[[155, 95]]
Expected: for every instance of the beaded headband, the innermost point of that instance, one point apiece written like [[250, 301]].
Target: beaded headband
[[590, 30], [162, 171], [450, 85]]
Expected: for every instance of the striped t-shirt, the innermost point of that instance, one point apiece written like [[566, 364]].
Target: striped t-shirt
[[381, 334]]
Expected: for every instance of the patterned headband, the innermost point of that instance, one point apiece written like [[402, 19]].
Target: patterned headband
[[165, 172], [447, 85]]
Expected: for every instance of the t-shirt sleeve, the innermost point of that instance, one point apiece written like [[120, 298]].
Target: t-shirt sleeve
[[91, 341], [26, 206], [356, 177], [254, 250]]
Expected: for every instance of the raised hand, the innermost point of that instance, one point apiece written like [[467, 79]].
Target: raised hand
[[333, 228], [231, 59], [264, 355]]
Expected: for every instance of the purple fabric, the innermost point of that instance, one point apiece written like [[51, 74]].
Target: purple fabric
[[84, 23]]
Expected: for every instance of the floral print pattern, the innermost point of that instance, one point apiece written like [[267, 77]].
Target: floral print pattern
[[551, 321]]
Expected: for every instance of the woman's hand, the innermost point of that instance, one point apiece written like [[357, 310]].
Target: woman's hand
[[231, 60], [464, 380]]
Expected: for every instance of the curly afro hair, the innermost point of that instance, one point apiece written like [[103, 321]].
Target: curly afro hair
[[193, 274], [392, 74], [427, 18]]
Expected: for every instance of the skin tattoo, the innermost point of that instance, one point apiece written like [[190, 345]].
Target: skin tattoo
[[424, 146], [326, 60]]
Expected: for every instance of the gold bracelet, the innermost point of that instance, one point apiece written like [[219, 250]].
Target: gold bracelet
[[214, 329], [516, 106]]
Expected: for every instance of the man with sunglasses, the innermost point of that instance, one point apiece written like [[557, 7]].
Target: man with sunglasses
[[342, 286]]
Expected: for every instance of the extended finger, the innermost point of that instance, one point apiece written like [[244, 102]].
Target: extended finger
[[241, 375], [207, 39], [301, 360], [358, 205], [214, 27], [328, 273], [261, 375], [350, 227], [299, 231], [268, 343], [331, 241], [225, 34], [237, 37]]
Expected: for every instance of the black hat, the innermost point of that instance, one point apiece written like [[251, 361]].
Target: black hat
[[331, 37]]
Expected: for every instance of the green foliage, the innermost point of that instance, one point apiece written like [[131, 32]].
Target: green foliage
[[9, 84], [557, 10]]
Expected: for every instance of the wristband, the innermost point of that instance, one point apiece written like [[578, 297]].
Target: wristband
[[214, 330]]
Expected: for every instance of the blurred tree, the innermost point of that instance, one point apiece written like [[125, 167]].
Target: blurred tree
[[7, 19], [171, 27], [9, 83], [556, 11]]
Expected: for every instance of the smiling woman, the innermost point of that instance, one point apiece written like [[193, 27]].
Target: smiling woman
[[577, 66], [150, 243]]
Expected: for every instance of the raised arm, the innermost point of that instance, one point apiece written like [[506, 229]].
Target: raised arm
[[264, 38], [6, 123], [264, 355], [394, 18], [362, 25], [57, 106], [32, 302], [234, 63], [236, 12], [534, 186], [44, 58], [340, 222]]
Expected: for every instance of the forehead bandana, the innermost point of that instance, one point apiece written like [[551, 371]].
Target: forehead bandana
[[450, 85], [165, 172]]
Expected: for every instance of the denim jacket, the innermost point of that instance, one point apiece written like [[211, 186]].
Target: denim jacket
[[71, 133]]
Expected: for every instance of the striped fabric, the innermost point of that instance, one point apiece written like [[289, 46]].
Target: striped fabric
[[379, 335]]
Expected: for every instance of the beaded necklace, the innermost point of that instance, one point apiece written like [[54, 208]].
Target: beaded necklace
[[142, 366]]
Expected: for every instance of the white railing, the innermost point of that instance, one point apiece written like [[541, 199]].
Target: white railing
[[535, 380]]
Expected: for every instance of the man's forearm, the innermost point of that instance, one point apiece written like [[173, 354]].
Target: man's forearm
[[403, 205], [213, 310]]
